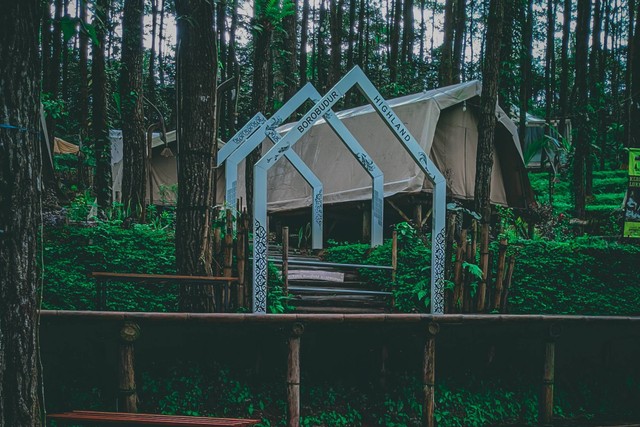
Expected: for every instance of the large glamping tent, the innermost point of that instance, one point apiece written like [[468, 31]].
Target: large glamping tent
[[445, 124]]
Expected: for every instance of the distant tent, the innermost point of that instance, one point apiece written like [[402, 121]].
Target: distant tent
[[445, 124], [538, 141], [60, 146], [164, 172]]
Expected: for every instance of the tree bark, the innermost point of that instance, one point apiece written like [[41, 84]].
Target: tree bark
[[525, 67], [303, 42], [134, 165], [151, 77], [446, 51], [83, 72], [20, 175], [487, 122], [581, 108], [335, 28], [290, 39], [628, 76], [461, 19], [261, 42], [408, 34], [394, 41], [507, 67], [564, 72], [595, 89], [102, 182], [196, 62]]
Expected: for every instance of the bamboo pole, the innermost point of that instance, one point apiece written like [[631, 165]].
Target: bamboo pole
[[548, 376], [484, 264], [470, 257], [127, 394], [228, 257], [417, 215], [366, 224], [457, 273], [217, 244], [502, 255], [248, 286], [285, 259], [507, 283], [429, 375], [241, 257], [293, 376], [394, 266]]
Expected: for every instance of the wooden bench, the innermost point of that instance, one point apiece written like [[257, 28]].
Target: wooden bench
[[223, 297], [124, 418]]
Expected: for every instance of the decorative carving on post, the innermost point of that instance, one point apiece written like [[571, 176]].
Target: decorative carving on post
[[429, 375], [127, 394], [293, 376]]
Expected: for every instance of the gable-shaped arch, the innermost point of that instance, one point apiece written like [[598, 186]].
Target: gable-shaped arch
[[322, 109]]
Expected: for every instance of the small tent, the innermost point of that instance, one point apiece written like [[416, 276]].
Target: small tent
[[445, 124]]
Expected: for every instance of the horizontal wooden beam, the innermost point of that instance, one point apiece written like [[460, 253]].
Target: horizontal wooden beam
[[332, 318]]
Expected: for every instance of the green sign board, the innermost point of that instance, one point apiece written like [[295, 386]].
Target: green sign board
[[632, 204]]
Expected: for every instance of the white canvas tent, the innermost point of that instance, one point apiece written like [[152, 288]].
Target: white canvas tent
[[445, 124]]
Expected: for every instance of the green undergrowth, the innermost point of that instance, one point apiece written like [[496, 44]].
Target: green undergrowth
[[205, 389]]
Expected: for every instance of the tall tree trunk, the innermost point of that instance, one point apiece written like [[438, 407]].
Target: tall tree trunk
[[362, 10], [46, 46], [628, 76], [507, 69], [160, 44], [83, 73], [321, 65], [461, 20], [446, 52], [635, 84], [335, 26], [303, 42], [134, 165], [596, 93], [423, 31], [525, 67], [233, 68], [564, 72], [222, 106], [352, 34], [290, 41], [151, 77], [102, 147], [549, 76], [263, 33], [486, 132], [196, 67], [394, 41], [602, 125], [408, 34], [581, 108], [65, 58], [20, 173], [54, 65]]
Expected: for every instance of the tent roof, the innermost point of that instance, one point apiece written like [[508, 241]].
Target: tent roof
[[60, 146], [445, 126]]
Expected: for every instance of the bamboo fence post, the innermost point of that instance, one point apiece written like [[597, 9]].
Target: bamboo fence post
[[457, 273], [394, 266], [366, 224], [293, 376], [548, 376], [470, 257], [248, 286], [285, 259], [217, 244], [507, 283], [228, 258], [241, 257], [127, 394], [484, 264], [502, 255], [417, 215], [429, 375]]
